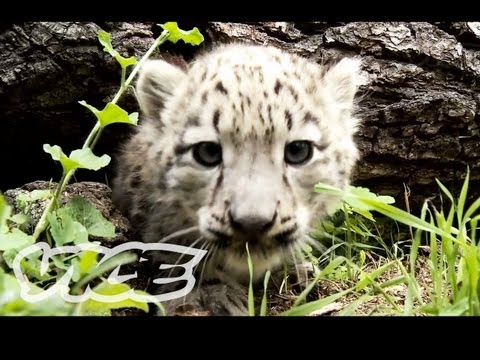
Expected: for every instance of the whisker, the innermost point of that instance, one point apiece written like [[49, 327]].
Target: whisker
[[315, 243], [294, 262], [183, 254], [209, 256], [204, 246], [179, 233]]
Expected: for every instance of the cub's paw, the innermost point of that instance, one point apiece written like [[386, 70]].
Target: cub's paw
[[211, 300]]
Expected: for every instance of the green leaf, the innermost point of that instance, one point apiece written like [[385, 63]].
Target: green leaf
[[78, 159], [31, 267], [16, 239], [93, 109], [8, 256], [88, 260], [112, 113], [82, 211], [87, 160], [59, 262], [92, 307], [19, 219], [5, 211], [366, 193], [107, 265], [12, 304], [65, 229], [193, 37], [106, 40], [34, 195], [57, 154]]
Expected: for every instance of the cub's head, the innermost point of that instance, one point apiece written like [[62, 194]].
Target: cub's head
[[238, 142]]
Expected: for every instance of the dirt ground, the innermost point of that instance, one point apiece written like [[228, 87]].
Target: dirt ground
[[376, 305]]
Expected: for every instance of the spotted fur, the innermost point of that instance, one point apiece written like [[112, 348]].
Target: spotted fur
[[252, 101]]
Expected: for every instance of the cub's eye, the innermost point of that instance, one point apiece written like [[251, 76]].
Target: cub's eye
[[298, 152], [207, 153]]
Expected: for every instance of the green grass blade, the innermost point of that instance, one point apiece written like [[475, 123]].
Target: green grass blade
[[312, 306], [349, 310], [462, 198], [251, 301], [329, 268], [263, 306], [445, 191], [471, 210]]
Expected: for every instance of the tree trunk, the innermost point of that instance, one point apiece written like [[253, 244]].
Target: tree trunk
[[419, 104]]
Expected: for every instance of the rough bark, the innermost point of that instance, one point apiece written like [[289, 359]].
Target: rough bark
[[419, 104]]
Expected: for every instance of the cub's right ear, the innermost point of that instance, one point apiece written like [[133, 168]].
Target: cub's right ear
[[155, 84]]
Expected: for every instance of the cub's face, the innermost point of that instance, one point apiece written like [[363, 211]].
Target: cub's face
[[240, 139]]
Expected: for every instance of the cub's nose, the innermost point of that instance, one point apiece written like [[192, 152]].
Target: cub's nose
[[251, 223]]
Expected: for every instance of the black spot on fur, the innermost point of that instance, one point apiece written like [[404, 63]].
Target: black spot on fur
[[285, 180], [285, 219], [310, 118], [278, 87], [338, 156], [218, 183], [262, 119], [219, 87], [204, 76], [285, 237], [293, 92], [216, 119], [204, 97], [192, 121], [321, 146], [220, 219], [135, 180], [329, 63], [137, 219], [288, 116], [248, 101], [169, 163], [180, 149], [269, 109]]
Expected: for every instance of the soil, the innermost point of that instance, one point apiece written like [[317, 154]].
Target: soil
[[377, 305]]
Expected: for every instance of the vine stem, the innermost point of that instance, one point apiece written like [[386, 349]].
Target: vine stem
[[93, 136]]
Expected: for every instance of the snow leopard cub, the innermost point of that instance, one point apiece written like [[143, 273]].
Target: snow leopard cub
[[233, 146]]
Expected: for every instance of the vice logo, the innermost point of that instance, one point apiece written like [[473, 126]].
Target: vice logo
[[62, 285]]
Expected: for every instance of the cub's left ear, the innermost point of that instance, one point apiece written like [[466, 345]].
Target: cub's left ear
[[342, 81]]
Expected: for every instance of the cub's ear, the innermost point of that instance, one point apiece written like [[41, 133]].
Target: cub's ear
[[156, 82], [342, 81]]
